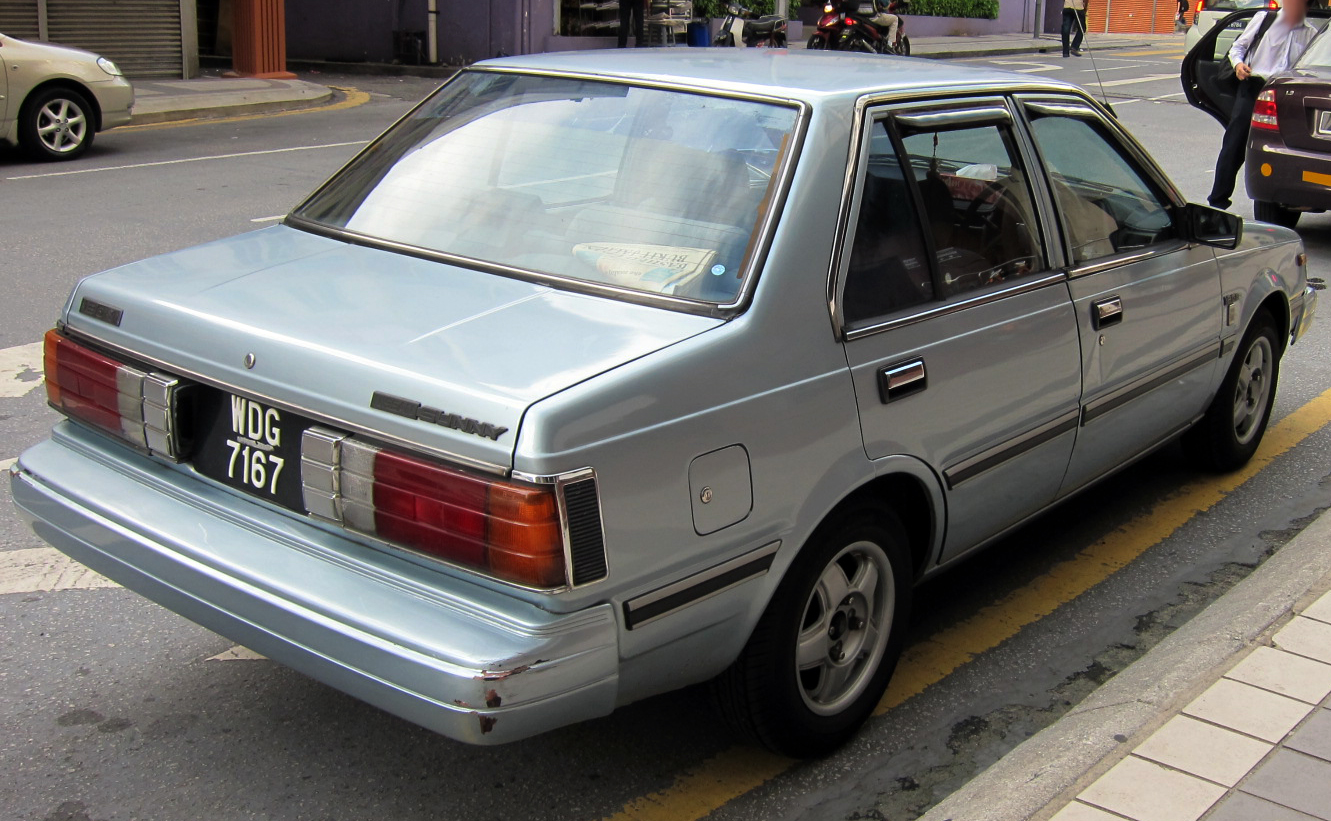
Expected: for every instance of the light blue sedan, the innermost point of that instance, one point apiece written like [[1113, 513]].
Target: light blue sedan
[[603, 374]]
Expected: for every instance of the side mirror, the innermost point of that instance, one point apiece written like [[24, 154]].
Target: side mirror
[[1211, 226]]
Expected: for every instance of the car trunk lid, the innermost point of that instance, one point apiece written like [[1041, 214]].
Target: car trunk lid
[[1303, 104], [456, 356]]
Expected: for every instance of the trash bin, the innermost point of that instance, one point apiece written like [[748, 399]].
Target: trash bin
[[699, 35]]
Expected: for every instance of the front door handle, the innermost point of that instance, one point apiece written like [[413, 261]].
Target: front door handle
[[901, 380], [1106, 312]]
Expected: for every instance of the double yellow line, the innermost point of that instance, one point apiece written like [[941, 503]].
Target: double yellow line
[[738, 770]]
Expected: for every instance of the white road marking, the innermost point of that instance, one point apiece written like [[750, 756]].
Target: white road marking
[[20, 369], [1167, 96], [268, 219], [1038, 67], [1149, 78], [188, 159], [238, 653], [6, 464], [43, 570]]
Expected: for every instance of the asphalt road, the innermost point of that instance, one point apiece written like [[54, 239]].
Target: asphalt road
[[113, 708]]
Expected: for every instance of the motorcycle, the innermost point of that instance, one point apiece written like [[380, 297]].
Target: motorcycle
[[741, 25], [845, 26]]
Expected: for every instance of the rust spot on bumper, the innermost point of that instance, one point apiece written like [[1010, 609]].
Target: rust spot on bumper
[[487, 722], [492, 699], [500, 675]]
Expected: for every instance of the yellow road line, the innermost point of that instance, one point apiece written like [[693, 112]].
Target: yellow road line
[[1168, 52], [352, 98], [738, 770]]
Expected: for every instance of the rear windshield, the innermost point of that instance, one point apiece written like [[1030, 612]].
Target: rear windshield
[[1236, 5], [1318, 54], [639, 188]]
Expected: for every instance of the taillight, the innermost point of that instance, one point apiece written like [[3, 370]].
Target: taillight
[[94, 388], [510, 531], [1264, 112], [1201, 5], [1272, 4]]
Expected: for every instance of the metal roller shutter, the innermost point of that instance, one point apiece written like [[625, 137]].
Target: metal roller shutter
[[1130, 16], [143, 37], [18, 18]]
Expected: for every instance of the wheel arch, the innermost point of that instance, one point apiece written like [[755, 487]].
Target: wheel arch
[[1275, 304], [71, 85]]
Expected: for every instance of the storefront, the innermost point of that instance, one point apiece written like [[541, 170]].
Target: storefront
[[146, 38]]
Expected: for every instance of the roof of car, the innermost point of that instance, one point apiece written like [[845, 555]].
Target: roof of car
[[795, 73]]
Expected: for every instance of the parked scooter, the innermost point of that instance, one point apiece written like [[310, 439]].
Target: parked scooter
[[741, 25], [845, 26]]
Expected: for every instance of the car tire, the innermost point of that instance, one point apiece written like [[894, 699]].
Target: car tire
[[1277, 214], [56, 124], [1228, 435], [815, 666]]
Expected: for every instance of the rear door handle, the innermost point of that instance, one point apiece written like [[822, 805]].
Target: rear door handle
[[1106, 312], [901, 380]]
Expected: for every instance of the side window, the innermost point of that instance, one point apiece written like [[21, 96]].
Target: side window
[[977, 205], [1106, 204], [889, 267]]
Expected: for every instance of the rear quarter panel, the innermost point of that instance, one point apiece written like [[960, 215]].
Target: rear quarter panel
[[775, 380]]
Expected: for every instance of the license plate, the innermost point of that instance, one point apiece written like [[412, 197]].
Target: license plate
[[250, 446], [1324, 123]]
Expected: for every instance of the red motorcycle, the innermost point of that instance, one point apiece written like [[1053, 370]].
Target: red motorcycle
[[845, 26]]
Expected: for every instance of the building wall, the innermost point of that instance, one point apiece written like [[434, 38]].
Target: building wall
[[353, 30]]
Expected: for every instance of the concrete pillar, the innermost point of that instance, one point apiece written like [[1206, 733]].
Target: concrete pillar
[[259, 39]]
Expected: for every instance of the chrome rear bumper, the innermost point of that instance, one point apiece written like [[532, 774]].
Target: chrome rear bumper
[[463, 660]]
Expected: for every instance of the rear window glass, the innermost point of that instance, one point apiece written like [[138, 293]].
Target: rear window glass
[[1236, 5], [1318, 54], [646, 189]]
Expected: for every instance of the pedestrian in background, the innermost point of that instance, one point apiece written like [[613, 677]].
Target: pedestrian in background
[[630, 16], [1074, 17], [1264, 49], [1181, 19]]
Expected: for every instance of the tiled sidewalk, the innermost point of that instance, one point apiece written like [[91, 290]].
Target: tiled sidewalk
[[1256, 746]]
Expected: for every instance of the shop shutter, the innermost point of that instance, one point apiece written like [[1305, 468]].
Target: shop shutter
[[1129, 16], [141, 36], [18, 18]]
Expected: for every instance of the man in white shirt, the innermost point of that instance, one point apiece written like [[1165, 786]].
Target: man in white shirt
[[1275, 51]]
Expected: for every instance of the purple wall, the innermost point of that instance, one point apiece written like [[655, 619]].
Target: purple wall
[[350, 30]]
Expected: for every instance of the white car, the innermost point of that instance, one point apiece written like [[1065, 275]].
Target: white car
[[54, 99], [1207, 14]]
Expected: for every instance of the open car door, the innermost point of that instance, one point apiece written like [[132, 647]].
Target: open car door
[[1200, 65]]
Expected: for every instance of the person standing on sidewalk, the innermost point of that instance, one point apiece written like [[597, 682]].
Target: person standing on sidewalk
[[1074, 17], [1264, 49], [630, 17]]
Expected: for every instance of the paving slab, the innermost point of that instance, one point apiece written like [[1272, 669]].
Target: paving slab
[[1043, 777]]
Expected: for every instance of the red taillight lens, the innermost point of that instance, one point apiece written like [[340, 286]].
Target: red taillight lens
[[1264, 112], [94, 388], [511, 531], [1272, 4], [1201, 5]]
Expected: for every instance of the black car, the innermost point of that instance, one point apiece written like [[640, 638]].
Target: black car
[[1289, 149]]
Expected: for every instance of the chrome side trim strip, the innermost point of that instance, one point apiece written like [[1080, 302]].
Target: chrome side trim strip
[[1148, 383], [663, 601], [961, 305], [1126, 258], [993, 457]]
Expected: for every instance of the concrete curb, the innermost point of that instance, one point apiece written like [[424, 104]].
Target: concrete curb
[[193, 109], [1035, 47], [1066, 756]]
